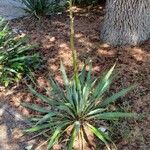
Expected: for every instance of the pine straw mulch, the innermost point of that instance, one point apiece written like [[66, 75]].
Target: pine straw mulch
[[133, 67]]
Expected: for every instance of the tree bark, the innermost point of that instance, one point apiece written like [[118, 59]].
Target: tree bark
[[126, 22]]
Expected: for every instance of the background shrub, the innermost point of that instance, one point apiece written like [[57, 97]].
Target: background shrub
[[86, 2], [42, 7], [16, 58]]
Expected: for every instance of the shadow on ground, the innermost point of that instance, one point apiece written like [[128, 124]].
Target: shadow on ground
[[12, 125]]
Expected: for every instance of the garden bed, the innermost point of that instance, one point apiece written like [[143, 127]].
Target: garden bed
[[133, 67]]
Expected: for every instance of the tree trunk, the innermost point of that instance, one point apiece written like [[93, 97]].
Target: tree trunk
[[126, 22]]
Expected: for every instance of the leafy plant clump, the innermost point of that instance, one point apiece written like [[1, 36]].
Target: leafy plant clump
[[76, 108], [86, 2], [42, 7], [16, 58]]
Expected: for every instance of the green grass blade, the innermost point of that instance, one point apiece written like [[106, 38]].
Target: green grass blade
[[99, 134], [23, 58], [74, 133], [54, 138], [57, 133], [103, 84], [90, 71], [47, 117], [65, 78], [96, 111], [35, 107], [67, 110], [37, 128], [11, 70], [71, 140], [66, 82], [114, 115], [114, 97], [101, 88], [42, 97], [82, 75], [24, 49], [34, 118], [109, 73], [75, 97], [56, 89]]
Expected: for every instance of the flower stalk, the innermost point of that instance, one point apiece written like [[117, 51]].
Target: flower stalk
[[72, 44]]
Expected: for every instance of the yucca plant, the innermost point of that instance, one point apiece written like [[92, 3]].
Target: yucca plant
[[16, 58], [75, 109], [37, 7], [41, 7]]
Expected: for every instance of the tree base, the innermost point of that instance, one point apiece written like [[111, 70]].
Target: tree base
[[126, 22]]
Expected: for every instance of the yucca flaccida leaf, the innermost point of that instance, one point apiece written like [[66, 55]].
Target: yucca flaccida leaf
[[115, 96]]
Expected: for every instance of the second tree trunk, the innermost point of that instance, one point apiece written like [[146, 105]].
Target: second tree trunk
[[126, 22]]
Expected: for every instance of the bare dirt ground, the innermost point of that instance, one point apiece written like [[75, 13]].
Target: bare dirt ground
[[133, 67]]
